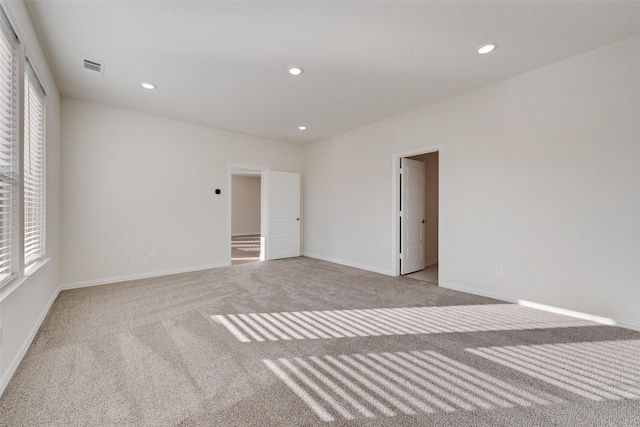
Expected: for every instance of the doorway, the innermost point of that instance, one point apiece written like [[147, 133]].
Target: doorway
[[264, 212], [246, 216], [416, 209]]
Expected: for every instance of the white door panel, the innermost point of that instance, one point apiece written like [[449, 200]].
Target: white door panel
[[284, 211], [412, 220], [413, 212], [283, 228], [283, 232]]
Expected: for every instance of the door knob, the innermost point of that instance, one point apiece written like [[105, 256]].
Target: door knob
[[297, 219], [424, 221]]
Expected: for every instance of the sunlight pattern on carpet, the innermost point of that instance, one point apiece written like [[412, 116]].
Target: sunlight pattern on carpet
[[246, 246], [300, 325], [595, 370], [389, 384]]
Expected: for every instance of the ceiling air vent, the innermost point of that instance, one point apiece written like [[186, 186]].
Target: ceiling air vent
[[93, 67]]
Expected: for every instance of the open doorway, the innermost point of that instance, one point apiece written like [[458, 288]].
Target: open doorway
[[264, 213], [246, 216], [430, 227], [416, 199]]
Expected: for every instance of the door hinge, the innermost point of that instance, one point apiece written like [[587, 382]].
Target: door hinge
[[401, 171], [400, 214], [399, 256]]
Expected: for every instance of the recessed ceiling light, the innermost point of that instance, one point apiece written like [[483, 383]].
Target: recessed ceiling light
[[302, 127], [295, 71], [487, 48], [147, 85]]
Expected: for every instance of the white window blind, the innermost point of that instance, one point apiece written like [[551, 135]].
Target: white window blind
[[33, 168], [9, 142]]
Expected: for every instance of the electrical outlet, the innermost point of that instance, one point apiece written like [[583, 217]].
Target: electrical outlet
[[128, 258], [152, 256], [499, 271]]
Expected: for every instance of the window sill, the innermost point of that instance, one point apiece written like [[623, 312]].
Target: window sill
[[14, 286]]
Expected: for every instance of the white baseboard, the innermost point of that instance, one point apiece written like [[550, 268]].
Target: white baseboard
[[628, 325], [479, 292], [430, 262], [245, 234], [350, 264], [110, 280], [4, 381], [558, 310]]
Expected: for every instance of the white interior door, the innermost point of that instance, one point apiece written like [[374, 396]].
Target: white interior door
[[412, 217], [283, 228]]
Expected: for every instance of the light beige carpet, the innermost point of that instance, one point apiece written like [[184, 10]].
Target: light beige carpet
[[301, 342]]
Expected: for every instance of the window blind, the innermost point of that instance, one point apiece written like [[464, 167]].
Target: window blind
[[9, 98], [33, 168]]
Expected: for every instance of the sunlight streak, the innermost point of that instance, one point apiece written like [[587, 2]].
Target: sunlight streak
[[300, 325], [369, 385], [595, 370]]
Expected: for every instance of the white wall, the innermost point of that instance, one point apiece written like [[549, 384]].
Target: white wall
[[134, 183], [539, 175], [245, 205], [22, 312]]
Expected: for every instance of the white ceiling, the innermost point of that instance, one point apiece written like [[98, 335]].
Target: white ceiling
[[224, 64]]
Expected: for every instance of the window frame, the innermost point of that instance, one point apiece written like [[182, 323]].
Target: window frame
[[11, 148], [31, 79], [20, 271]]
